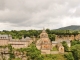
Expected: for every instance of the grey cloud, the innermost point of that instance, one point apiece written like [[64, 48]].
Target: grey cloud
[[37, 13], [2, 4]]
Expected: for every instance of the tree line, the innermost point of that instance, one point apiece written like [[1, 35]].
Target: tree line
[[30, 33]]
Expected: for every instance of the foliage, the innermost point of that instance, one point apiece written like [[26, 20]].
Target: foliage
[[10, 48], [54, 57], [76, 51], [10, 51], [74, 42], [66, 48], [54, 49], [69, 56], [52, 37], [34, 53], [17, 59], [30, 33]]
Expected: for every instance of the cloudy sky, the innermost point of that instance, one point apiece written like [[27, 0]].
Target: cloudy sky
[[36, 14]]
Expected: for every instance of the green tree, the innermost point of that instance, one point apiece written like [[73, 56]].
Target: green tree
[[76, 51], [34, 53], [69, 56], [66, 48], [74, 42], [52, 37], [10, 51]]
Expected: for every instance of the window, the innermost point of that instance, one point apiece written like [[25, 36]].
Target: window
[[1, 37]]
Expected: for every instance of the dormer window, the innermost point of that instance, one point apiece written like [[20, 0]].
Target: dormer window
[[5, 37], [1, 37]]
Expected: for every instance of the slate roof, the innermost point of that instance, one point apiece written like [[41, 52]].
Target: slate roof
[[4, 37], [28, 38]]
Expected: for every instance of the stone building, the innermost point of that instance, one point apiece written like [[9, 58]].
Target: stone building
[[60, 48], [4, 39], [15, 43], [45, 45], [67, 37]]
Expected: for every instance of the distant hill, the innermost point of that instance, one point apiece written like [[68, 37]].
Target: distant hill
[[72, 27]]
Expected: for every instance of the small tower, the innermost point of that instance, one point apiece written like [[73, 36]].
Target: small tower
[[43, 34], [10, 37], [22, 37], [34, 38]]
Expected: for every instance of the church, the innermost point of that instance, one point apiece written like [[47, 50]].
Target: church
[[45, 45]]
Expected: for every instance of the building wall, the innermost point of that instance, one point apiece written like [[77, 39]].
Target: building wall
[[19, 44], [38, 47], [46, 46], [16, 44], [3, 42], [45, 51], [61, 49], [22, 43], [67, 37]]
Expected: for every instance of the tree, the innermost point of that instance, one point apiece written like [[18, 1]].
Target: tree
[[66, 48], [10, 52], [69, 56], [34, 53], [52, 37], [74, 42], [76, 51]]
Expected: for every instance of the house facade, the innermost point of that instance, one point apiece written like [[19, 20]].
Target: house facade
[[15, 43]]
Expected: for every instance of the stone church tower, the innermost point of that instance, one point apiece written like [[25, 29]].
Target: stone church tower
[[44, 43]]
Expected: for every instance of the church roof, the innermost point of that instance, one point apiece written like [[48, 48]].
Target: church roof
[[28, 38], [43, 30]]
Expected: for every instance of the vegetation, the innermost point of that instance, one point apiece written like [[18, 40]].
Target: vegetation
[[30, 33], [69, 56], [74, 42], [33, 53], [76, 51], [66, 48], [54, 57], [11, 52], [54, 49]]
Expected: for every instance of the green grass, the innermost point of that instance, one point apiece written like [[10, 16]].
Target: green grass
[[54, 57], [54, 49]]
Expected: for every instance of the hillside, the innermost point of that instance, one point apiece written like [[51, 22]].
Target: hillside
[[72, 27]]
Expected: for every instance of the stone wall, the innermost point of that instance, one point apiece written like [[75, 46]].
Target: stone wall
[[67, 37], [4, 42], [45, 51], [19, 44]]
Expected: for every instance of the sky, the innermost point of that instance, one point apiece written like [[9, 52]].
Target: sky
[[36, 14]]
